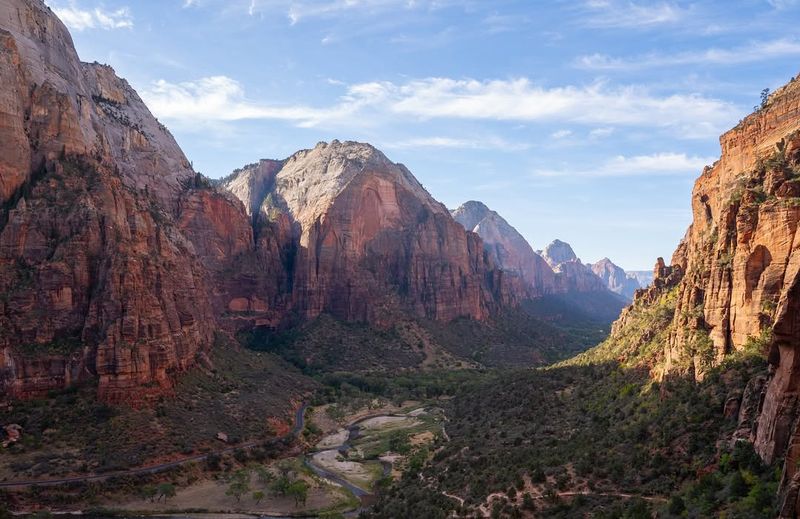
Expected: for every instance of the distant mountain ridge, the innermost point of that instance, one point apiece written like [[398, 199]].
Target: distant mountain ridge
[[615, 278]]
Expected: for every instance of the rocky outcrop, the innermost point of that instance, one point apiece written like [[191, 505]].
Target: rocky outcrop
[[615, 278], [365, 241], [118, 262], [506, 246], [571, 274], [739, 267]]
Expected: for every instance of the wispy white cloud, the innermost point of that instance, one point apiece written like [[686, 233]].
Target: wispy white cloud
[[301, 10], [561, 134], [617, 14], [599, 133], [783, 4], [753, 52], [80, 19], [220, 98], [519, 100], [667, 163], [484, 143]]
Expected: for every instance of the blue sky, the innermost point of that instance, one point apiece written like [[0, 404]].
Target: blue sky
[[586, 121]]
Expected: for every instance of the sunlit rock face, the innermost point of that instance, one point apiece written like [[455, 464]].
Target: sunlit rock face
[[507, 247], [737, 273], [367, 240], [96, 281], [615, 278]]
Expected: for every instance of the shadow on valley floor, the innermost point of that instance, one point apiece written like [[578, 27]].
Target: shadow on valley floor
[[540, 332], [598, 440]]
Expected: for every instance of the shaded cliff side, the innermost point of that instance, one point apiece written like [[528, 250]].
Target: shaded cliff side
[[506, 246], [616, 279]]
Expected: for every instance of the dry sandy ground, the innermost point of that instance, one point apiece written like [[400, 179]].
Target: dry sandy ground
[[210, 495], [360, 474], [387, 422], [333, 440]]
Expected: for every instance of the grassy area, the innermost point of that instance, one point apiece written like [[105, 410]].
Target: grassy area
[[640, 342]]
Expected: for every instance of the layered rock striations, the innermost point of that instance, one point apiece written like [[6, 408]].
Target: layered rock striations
[[616, 279], [95, 279], [736, 274], [366, 240], [507, 247], [118, 262]]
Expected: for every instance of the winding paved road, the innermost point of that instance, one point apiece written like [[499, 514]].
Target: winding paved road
[[299, 423]]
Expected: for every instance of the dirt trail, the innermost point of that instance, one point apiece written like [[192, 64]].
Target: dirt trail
[[485, 508]]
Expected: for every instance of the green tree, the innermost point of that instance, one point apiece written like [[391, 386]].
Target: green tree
[[166, 490], [148, 492], [264, 476], [737, 487], [527, 502], [258, 496], [299, 491], [239, 484], [676, 505], [280, 486]]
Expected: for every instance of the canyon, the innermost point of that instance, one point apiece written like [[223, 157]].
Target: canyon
[[120, 264], [124, 270]]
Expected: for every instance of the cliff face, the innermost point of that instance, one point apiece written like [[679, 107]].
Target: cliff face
[[365, 241], [118, 262], [615, 278], [506, 246], [736, 274], [95, 279]]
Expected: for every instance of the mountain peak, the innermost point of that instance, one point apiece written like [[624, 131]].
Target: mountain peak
[[558, 252]]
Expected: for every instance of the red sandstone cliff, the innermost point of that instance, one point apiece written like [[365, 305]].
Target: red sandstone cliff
[[118, 261], [95, 280], [367, 241], [737, 275]]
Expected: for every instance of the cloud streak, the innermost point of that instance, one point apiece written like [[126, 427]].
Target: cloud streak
[[666, 163], [609, 14], [519, 100], [79, 19], [753, 52]]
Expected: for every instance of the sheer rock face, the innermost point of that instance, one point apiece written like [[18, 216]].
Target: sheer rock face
[[95, 280], [118, 261], [615, 278], [364, 240], [571, 274], [507, 247], [740, 269]]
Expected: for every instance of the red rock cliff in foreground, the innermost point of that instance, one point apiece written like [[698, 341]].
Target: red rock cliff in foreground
[[737, 274], [118, 262]]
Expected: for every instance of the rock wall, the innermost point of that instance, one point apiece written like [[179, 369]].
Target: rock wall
[[367, 242], [118, 262], [96, 282], [738, 274], [615, 278], [507, 247]]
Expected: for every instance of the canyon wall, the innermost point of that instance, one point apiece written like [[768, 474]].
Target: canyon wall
[[119, 263], [735, 276]]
